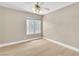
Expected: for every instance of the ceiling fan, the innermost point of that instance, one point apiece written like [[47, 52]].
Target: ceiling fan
[[37, 7]]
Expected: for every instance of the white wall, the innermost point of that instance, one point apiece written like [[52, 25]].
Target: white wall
[[63, 25], [12, 25]]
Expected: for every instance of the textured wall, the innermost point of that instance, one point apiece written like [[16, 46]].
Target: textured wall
[[63, 25], [12, 25]]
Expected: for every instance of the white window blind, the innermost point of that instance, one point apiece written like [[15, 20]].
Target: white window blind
[[33, 26]]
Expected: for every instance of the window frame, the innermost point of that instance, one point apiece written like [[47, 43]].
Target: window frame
[[40, 30]]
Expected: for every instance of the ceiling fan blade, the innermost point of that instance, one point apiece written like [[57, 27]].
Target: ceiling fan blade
[[45, 8]]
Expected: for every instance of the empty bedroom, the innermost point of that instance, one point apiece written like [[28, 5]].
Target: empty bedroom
[[39, 28]]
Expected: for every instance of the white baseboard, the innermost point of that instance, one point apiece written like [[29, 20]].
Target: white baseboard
[[62, 44], [17, 42]]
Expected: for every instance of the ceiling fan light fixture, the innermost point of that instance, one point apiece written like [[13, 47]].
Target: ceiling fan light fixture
[[36, 8]]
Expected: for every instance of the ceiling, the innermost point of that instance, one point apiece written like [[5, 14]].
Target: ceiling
[[27, 6]]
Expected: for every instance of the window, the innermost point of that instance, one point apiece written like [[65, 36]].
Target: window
[[33, 26]]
